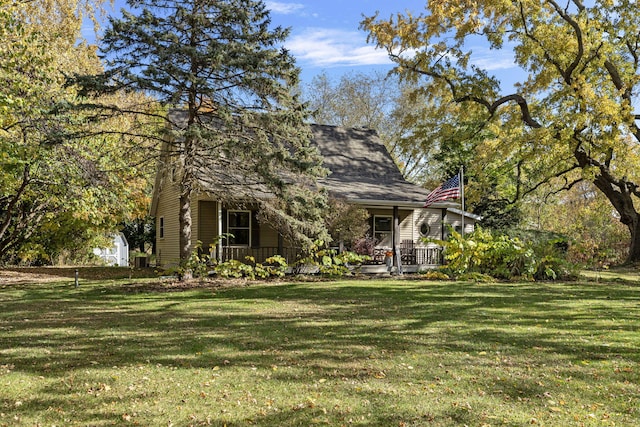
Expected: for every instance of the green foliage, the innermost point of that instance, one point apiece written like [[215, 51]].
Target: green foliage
[[505, 257], [61, 186], [273, 267], [476, 277], [201, 265], [328, 261], [140, 233], [570, 119], [198, 264], [598, 238], [435, 275], [234, 269]]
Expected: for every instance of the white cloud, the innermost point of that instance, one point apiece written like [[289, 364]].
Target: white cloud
[[493, 60], [283, 8], [320, 47]]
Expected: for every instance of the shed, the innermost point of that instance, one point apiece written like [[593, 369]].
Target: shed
[[117, 254]]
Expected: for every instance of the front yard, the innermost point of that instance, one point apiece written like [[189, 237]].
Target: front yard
[[353, 352]]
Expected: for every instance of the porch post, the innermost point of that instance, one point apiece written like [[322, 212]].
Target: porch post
[[281, 245], [442, 232], [396, 239], [220, 231]]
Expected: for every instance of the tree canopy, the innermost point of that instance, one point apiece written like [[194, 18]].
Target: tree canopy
[[571, 119], [56, 193]]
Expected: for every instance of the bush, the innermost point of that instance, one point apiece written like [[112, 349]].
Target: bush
[[328, 261], [364, 246], [505, 257], [202, 265], [274, 266], [435, 275]]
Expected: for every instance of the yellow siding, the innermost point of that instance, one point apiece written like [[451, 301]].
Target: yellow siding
[[168, 247], [407, 230], [456, 221], [268, 236], [207, 229]]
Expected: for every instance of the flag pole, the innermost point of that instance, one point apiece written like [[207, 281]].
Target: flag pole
[[462, 196]]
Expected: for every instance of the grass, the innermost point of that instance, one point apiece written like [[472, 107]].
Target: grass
[[365, 352]]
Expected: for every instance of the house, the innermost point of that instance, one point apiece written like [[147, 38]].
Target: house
[[362, 172]]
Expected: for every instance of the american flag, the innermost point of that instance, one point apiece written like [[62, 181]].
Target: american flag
[[450, 189]]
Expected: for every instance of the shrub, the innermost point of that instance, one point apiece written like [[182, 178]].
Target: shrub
[[202, 265], [364, 246], [505, 257], [275, 266], [476, 277], [198, 264], [234, 269], [328, 261], [435, 275]]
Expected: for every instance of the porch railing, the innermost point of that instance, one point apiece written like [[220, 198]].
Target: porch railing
[[424, 256], [409, 256], [259, 254]]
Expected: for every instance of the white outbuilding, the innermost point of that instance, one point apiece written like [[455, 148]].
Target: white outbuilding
[[117, 254]]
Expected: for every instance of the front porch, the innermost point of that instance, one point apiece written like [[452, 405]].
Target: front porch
[[412, 258]]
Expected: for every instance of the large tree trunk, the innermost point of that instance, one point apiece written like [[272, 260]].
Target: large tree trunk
[[617, 191], [185, 221], [620, 194], [185, 229], [634, 249]]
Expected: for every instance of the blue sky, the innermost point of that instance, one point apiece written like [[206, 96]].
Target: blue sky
[[325, 36]]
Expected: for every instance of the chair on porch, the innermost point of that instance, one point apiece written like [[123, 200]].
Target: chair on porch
[[408, 252]]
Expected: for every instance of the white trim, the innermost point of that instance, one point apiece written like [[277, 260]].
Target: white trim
[[220, 230], [466, 214], [390, 232], [372, 204]]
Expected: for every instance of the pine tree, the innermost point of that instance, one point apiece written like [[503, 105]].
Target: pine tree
[[238, 130]]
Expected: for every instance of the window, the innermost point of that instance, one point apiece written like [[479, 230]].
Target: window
[[161, 227], [425, 229], [239, 225], [383, 229]]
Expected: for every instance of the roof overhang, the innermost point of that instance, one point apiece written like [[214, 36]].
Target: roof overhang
[[368, 203]]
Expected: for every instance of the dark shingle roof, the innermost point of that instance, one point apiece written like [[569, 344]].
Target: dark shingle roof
[[361, 167]]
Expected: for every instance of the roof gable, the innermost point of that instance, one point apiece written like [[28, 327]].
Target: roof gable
[[361, 168]]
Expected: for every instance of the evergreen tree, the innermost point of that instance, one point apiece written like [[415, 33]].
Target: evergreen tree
[[239, 133]]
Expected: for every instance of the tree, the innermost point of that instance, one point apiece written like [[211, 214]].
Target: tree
[[346, 222], [240, 131], [572, 119], [140, 233], [587, 218], [56, 193]]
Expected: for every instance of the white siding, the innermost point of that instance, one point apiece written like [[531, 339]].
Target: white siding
[[433, 217]]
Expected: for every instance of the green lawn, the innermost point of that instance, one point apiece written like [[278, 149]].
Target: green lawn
[[366, 352]]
